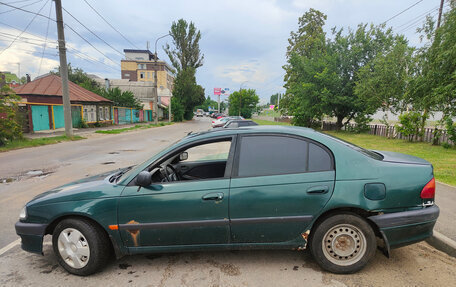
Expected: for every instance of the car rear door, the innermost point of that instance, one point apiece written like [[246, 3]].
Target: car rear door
[[279, 184]]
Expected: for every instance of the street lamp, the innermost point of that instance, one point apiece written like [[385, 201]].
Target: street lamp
[[240, 96], [156, 85]]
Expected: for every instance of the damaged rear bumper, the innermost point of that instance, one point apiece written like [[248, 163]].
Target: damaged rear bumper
[[407, 227], [31, 236]]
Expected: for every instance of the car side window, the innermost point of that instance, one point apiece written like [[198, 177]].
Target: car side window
[[270, 155], [210, 151], [319, 158]]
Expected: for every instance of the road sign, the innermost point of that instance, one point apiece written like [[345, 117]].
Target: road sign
[[225, 91], [217, 91]]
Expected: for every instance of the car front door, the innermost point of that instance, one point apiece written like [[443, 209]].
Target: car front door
[[185, 212], [279, 183]]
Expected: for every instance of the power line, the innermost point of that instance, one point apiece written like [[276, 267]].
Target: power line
[[80, 36], [31, 21], [93, 33], [417, 17], [30, 4], [106, 21], [71, 50], [27, 11], [15, 2], [416, 3], [45, 39]]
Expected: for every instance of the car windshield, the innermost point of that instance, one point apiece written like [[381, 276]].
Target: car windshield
[[364, 151], [133, 168]]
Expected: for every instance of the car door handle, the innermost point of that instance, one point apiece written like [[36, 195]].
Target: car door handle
[[318, 189], [213, 196]]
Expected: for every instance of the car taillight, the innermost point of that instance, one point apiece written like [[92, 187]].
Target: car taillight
[[428, 191]]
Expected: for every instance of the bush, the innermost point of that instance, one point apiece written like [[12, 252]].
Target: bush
[[177, 109], [446, 145], [410, 124], [451, 129], [10, 129]]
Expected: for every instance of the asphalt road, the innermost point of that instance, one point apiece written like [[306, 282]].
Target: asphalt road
[[416, 265]]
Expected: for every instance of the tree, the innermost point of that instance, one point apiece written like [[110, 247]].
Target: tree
[[10, 129], [79, 77], [321, 73], [122, 98], [274, 99], [384, 82], [186, 53], [186, 57], [304, 60], [208, 102], [188, 92], [244, 99]]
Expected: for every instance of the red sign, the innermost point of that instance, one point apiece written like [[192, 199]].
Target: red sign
[[217, 91]]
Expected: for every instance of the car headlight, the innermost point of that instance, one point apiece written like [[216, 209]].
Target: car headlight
[[23, 214]]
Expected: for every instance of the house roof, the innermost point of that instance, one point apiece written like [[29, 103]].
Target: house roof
[[51, 85]]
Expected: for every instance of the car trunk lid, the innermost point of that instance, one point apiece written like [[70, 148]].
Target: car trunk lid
[[389, 156]]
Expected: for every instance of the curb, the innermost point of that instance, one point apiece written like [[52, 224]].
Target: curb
[[442, 243]]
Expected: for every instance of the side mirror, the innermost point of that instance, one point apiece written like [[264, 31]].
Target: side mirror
[[183, 156], [144, 178]]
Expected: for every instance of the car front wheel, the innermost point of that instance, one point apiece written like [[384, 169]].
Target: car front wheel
[[81, 247], [343, 243]]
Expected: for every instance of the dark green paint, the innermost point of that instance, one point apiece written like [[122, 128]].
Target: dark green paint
[[297, 200]]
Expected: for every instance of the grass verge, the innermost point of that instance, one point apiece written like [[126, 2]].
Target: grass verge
[[136, 127], [24, 143], [443, 160]]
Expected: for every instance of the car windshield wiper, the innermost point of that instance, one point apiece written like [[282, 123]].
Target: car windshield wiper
[[116, 176]]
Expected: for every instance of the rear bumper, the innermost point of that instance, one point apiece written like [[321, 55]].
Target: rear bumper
[[407, 227], [31, 236]]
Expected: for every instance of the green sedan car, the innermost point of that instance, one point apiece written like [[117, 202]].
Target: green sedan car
[[247, 188]]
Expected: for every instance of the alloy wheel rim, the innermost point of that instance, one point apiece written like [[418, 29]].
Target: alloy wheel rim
[[73, 248], [344, 244]]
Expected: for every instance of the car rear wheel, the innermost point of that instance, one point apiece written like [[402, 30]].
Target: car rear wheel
[[81, 247], [343, 243]]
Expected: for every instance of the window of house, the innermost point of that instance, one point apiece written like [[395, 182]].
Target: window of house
[[127, 75], [107, 113], [148, 75], [101, 113], [271, 155], [142, 75]]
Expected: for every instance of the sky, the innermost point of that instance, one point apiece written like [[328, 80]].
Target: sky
[[243, 41]]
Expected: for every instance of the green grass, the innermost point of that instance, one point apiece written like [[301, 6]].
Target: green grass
[[443, 160], [136, 127], [24, 143], [264, 122]]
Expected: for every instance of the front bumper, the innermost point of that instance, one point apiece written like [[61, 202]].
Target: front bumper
[[407, 227], [31, 236]]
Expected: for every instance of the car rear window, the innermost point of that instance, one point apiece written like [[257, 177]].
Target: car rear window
[[359, 149]]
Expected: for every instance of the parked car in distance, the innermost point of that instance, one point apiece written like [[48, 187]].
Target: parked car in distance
[[219, 122], [254, 188], [239, 123], [199, 112]]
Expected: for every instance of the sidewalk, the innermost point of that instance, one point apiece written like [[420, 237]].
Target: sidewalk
[[77, 131], [444, 237]]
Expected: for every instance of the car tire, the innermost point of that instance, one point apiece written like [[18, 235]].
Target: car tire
[[81, 247], [343, 243]]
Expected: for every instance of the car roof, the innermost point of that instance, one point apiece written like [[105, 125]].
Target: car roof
[[250, 129]]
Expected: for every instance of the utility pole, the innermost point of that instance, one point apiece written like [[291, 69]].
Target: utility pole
[[63, 70], [240, 97], [440, 13], [156, 85]]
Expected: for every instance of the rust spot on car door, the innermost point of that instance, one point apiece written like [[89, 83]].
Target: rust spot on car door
[[134, 233]]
